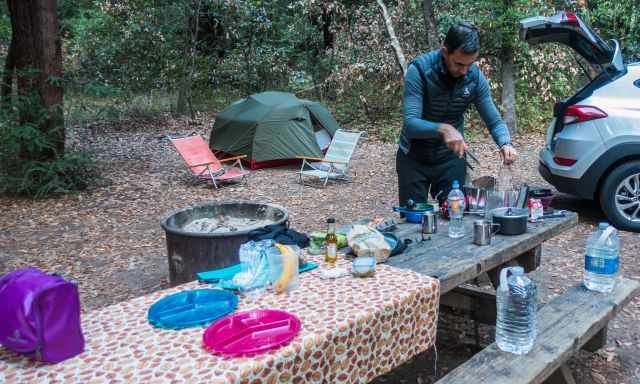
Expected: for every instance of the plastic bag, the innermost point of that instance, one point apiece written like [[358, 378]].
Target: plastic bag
[[365, 240], [505, 181], [283, 267], [254, 266], [507, 191]]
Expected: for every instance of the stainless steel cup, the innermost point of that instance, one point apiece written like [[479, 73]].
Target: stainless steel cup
[[429, 223], [483, 230]]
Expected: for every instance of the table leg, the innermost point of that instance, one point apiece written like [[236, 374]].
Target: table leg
[[562, 375], [529, 260], [481, 303], [598, 341]]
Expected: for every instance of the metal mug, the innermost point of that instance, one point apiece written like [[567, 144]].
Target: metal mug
[[483, 231], [429, 223]]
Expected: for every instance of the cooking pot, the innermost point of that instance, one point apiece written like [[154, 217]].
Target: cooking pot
[[414, 215], [513, 221]]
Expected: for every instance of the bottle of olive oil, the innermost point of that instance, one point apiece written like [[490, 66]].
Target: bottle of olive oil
[[331, 242]]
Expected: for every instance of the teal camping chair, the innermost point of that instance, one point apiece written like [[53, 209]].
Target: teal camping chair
[[335, 163]]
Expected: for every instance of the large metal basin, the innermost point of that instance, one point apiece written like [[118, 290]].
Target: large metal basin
[[193, 252]]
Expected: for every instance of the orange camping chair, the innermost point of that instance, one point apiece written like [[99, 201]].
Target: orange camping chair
[[204, 165]]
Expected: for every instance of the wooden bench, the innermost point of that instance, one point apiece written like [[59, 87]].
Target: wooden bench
[[576, 319]]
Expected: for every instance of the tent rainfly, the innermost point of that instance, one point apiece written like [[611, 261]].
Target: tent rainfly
[[272, 128]]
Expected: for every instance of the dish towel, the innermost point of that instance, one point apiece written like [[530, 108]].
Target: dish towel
[[221, 274]]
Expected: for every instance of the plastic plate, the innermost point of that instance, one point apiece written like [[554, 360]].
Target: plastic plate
[[251, 332], [191, 308]]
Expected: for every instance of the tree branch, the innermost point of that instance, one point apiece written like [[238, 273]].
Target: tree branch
[[395, 44]]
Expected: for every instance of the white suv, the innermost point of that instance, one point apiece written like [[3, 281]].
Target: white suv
[[593, 142]]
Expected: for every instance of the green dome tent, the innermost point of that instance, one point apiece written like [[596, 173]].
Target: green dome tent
[[272, 128]]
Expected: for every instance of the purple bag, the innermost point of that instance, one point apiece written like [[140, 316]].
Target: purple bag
[[40, 315]]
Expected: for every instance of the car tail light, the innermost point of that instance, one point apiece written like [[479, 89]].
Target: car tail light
[[563, 161], [569, 18], [580, 113]]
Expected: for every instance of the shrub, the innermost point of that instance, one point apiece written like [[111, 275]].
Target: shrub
[[31, 165]]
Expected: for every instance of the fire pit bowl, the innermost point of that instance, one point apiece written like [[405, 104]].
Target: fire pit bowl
[[208, 236]]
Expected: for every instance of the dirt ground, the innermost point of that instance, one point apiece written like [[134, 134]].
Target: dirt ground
[[110, 241]]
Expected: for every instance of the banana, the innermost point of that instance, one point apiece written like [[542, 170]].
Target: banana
[[288, 268]]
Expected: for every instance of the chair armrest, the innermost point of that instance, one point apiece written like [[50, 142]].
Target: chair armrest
[[308, 158], [200, 165], [233, 158], [322, 160]]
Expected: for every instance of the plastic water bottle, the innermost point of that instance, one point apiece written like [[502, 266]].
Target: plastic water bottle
[[455, 202], [602, 259], [517, 301]]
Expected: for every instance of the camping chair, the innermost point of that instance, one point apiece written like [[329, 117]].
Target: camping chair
[[204, 165], [335, 163]]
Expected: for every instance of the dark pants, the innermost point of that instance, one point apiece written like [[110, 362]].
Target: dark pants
[[415, 175]]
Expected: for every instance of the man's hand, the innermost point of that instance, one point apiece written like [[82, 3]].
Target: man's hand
[[453, 139], [508, 154]]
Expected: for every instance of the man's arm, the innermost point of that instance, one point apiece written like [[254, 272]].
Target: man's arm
[[489, 113], [414, 126]]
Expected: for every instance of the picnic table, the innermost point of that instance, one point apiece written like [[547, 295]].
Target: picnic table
[[575, 320], [457, 261], [353, 329]]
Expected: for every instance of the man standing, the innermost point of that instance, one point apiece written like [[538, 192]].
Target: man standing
[[439, 86]]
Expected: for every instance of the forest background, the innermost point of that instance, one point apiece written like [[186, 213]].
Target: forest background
[[142, 58]]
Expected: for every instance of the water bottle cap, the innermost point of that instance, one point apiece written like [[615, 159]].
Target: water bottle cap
[[603, 225], [517, 271], [455, 184]]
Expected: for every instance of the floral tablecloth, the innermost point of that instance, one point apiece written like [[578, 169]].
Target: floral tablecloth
[[353, 329]]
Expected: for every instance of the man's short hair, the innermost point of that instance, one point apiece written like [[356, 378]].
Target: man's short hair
[[463, 36]]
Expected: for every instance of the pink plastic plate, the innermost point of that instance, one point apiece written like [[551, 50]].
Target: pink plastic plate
[[251, 332]]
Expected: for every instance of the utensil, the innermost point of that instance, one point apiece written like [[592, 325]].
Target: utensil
[[555, 214], [483, 230], [467, 163], [522, 196], [429, 223], [473, 157], [513, 221]]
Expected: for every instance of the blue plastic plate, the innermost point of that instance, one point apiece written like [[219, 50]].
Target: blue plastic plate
[[191, 308]]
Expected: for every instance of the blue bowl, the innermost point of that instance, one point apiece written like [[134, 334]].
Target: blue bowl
[[413, 215]]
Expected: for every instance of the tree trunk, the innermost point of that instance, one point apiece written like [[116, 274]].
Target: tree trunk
[[430, 25], [327, 35], [395, 44], [508, 89], [37, 59], [7, 76], [184, 104]]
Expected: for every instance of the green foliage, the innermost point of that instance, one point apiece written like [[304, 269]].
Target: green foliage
[[617, 19], [30, 164], [137, 56]]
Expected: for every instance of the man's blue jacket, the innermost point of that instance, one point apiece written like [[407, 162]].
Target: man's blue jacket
[[432, 97]]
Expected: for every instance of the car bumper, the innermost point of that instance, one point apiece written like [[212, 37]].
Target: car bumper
[[563, 184]]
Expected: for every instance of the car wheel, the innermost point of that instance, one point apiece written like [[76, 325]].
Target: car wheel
[[620, 196]]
